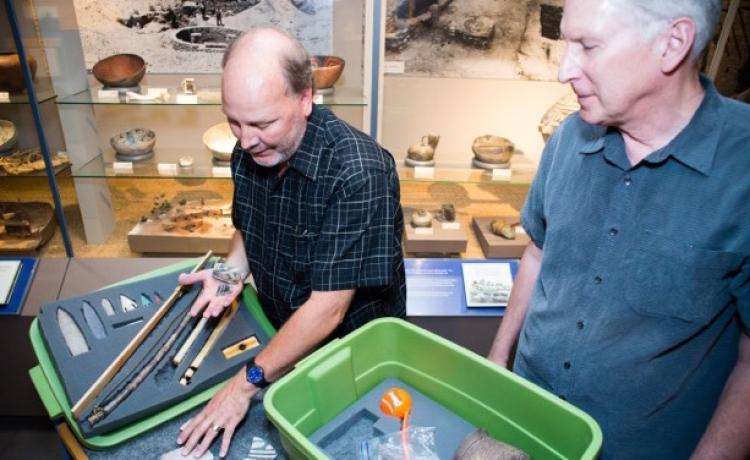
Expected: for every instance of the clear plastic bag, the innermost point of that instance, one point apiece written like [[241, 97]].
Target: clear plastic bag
[[420, 441]]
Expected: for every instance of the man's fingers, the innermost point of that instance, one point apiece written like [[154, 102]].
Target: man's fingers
[[208, 438], [227, 439], [190, 278], [200, 304]]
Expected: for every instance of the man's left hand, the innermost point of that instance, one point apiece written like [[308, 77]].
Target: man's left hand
[[221, 415]]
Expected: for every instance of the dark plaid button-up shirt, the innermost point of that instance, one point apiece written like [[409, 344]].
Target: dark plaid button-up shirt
[[331, 221]]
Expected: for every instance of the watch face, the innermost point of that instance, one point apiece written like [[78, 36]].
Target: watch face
[[255, 375]]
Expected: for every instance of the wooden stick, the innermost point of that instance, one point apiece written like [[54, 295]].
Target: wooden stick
[[189, 342], [100, 412], [215, 334], [128, 351]]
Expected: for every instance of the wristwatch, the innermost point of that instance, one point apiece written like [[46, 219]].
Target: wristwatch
[[255, 374]]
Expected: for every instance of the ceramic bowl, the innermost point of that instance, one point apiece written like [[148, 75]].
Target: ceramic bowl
[[120, 70], [557, 113], [11, 77], [7, 135], [220, 141], [492, 149], [326, 70], [134, 142]]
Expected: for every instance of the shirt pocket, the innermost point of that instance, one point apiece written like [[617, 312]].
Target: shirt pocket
[[296, 251], [673, 279]]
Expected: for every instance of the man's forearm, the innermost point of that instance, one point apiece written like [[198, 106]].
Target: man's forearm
[[305, 329], [728, 434], [237, 257], [518, 303]]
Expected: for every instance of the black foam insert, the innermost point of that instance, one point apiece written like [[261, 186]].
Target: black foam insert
[[342, 437], [161, 388]]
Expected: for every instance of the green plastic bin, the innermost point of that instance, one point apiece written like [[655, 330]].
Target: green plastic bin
[[51, 392], [510, 408]]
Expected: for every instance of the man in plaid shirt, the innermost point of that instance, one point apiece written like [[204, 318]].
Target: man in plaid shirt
[[316, 207]]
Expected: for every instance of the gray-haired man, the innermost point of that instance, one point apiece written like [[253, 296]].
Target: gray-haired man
[[633, 300]]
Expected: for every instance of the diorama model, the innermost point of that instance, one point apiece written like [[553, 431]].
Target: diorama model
[[184, 226]]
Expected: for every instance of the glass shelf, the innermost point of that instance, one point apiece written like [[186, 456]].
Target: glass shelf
[[522, 172], [208, 96], [43, 95], [203, 166], [522, 169]]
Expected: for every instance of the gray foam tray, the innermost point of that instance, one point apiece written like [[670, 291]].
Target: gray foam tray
[[161, 388], [341, 438]]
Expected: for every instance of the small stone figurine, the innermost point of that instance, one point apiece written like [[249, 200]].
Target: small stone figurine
[[503, 229]]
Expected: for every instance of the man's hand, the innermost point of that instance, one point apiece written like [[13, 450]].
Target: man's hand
[[223, 413], [216, 295], [498, 355]]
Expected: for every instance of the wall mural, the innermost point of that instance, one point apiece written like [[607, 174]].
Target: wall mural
[[185, 36], [511, 39]]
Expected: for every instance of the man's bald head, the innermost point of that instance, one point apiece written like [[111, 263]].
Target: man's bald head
[[272, 50]]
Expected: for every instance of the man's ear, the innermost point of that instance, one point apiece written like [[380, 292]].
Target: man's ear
[[678, 45], [306, 101]]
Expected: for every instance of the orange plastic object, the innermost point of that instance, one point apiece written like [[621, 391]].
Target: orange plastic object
[[396, 402]]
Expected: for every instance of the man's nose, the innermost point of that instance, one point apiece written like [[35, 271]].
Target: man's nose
[[570, 67], [248, 137]]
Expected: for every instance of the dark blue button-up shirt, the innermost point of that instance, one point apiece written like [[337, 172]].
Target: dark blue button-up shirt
[[331, 222], [644, 287]]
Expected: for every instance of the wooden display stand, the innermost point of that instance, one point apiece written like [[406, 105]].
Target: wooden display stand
[[441, 238], [497, 247]]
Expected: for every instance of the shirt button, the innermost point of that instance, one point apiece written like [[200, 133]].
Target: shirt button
[[579, 324], [566, 364], [613, 231], [628, 180], [597, 280]]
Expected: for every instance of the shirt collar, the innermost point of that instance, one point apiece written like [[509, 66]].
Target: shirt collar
[[694, 146], [307, 157]]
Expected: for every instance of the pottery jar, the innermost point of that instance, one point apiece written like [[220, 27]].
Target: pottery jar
[[11, 77]]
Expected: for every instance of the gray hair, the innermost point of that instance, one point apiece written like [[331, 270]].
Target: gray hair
[[704, 13], [295, 61]]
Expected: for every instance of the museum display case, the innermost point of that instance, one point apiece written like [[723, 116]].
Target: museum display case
[[479, 77], [33, 162], [140, 102], [458, 102]]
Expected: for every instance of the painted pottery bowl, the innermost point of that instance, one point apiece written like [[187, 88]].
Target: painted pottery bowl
[[492, 149], [326, 71], [11, 77], [556, 114], [134, 142], [421, 218], [120, 70], [7, 135], [220, 141]]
